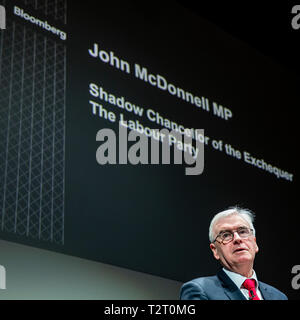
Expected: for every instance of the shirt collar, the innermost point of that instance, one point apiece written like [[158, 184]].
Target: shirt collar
[[238, 279]]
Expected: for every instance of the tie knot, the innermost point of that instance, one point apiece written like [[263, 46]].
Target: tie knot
[[249, 284]]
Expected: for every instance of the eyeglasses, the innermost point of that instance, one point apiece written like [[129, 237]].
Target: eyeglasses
[[226, 236]]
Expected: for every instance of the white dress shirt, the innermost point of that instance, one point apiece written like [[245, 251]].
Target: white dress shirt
[[238, 280]]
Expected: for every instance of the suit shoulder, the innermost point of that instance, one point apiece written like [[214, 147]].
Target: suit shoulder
[[203, 280], [278, 295], [196, 289]]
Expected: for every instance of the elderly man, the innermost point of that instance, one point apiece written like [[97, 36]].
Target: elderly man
[[233, 243]]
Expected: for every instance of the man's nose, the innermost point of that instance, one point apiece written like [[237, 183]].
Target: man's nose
[[236, 237]]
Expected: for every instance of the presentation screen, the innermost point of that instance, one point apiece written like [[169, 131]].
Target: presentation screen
[[125, 127]]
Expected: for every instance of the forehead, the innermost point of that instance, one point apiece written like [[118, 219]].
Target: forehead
[[230, 223]]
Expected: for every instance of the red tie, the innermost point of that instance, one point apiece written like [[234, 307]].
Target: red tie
[[250, 285]]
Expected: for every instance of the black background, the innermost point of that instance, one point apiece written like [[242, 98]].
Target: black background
[[265, 26]]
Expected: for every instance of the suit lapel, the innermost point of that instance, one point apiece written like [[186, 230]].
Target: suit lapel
[[230, 289], [266, 294]]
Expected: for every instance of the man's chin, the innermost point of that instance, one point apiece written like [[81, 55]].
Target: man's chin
[[242, 256]]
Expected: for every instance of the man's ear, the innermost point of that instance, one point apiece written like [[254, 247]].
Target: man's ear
[[214, 250]]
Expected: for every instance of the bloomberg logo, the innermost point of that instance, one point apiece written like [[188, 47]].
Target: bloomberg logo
[[2, 18]]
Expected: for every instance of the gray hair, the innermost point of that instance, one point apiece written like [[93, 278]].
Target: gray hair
[[246, 214]]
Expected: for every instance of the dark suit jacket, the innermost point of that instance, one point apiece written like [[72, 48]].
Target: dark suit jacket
[[221, 287]]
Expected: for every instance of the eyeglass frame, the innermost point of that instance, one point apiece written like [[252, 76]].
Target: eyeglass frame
[[232, 234]]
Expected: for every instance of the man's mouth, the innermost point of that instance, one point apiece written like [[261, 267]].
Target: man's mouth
[[240, 250]]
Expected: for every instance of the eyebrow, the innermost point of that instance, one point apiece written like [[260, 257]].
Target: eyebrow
[[228, 230]]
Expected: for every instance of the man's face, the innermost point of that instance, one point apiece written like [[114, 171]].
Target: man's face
[[238, 252]]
